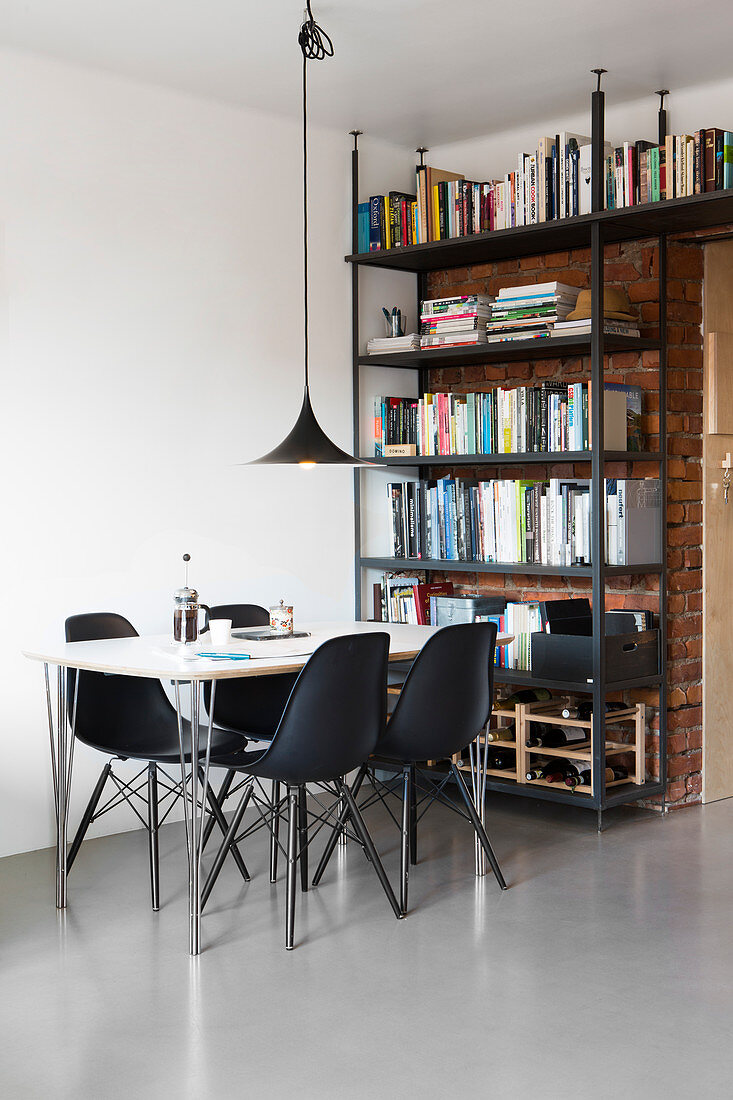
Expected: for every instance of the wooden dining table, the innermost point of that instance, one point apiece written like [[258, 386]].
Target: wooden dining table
[[157, 657]]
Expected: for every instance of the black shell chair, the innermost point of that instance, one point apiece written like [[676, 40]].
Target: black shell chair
[[330, 726], [131, 718], [445, 702], [254, 704]]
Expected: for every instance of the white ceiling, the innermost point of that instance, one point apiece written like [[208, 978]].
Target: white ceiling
[[410, 71]]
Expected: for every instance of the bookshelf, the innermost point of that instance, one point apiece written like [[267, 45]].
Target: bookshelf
[[653, 222]]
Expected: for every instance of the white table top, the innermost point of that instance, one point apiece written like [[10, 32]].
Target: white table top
[[154, 656]]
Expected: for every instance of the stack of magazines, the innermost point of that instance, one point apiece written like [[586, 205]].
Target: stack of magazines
[[387, 344], [529, 312], [454, 322]]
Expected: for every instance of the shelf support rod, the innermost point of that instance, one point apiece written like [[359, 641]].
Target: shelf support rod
[[598, 110], [598, 512], [662, 115], [355, 368], [663, 516]]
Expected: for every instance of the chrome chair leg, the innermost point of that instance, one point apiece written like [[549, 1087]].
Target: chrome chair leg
[[292, 860], [274, 830], [413, 816], [153, 835], [303, 837], [407, 787], [88, 815], [478, 827]]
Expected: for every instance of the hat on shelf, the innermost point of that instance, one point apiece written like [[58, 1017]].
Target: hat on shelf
[[615, 304]]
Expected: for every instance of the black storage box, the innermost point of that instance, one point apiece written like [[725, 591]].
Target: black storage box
[[570, 656]]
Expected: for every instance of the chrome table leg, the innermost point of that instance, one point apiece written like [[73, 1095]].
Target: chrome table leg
[[61, 740], [194, 817], [479, 755]]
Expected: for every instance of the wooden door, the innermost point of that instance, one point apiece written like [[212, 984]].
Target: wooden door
[[717, 652]]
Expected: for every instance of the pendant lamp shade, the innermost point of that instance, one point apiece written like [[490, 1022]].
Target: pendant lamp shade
[[308, 445]]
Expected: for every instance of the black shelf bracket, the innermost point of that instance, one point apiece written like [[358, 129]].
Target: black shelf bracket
[[662, 115], [597, 177]]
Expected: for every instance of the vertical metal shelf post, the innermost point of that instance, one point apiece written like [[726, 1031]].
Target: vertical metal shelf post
[[355, 403], [598, 494], [663, 515]]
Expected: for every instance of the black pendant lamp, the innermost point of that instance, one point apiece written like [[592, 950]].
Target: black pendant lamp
[[307, 444]]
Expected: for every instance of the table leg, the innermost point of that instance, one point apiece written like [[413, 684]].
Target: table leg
[[61, 740], [194, 817]]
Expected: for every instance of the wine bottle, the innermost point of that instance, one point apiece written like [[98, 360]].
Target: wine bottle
[[553, 772], [501, 759], [583, 711], [501, 733], [555, 737], [525, 695], [580, 776], [619, 772]]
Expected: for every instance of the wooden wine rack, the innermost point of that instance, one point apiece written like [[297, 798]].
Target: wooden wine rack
[[523, 714]]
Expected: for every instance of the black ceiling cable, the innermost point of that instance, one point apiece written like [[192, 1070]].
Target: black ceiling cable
[[315, 45]]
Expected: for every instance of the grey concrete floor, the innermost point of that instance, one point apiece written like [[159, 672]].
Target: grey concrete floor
[[604, 971]]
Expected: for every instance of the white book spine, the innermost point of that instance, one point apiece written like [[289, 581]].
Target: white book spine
[[533, 218], [621, 521], [519, 189]]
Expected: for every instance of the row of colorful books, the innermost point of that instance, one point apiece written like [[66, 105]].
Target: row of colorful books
[[687, 164], [553, 181], [522, 521], [399, 598], [546, 419]]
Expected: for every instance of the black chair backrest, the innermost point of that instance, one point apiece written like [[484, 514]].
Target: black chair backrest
[[241, 614], [253, 704], [447, 696], [115, 711], [335, 713]]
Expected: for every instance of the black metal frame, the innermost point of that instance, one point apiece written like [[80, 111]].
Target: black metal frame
[[598, 228], [407, 781], [300, 836], [152, 800]]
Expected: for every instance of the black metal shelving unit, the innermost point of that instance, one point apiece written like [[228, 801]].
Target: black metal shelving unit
[[656, 220]]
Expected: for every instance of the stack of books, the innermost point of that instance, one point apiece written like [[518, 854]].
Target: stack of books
[[522, 620], [529, 312], [402, 599], [454, 322], [386, 345], [611, 327], [533, 522]]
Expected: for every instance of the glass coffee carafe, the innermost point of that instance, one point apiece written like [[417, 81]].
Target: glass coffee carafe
[[186, 611]]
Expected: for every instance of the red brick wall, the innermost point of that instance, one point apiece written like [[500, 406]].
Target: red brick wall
[[635, 267]]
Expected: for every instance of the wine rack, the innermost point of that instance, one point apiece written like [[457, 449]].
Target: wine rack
[[549, 713]]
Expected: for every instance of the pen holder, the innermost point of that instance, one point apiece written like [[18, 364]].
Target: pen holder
[[394, 323]]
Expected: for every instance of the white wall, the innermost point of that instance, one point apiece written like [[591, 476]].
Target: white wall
[[151, 340]]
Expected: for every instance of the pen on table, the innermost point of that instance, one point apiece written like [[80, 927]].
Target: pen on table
[[225, 656]]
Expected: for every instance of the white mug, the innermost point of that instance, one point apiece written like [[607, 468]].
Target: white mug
[[221, 631]]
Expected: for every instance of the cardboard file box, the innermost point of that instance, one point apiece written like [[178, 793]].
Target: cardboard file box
[[570, 656]]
